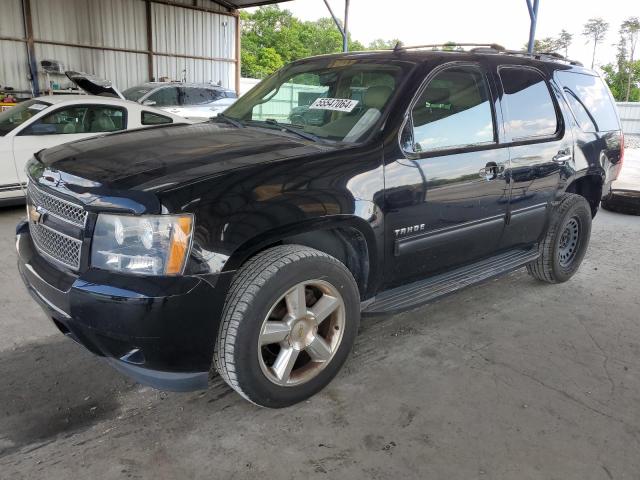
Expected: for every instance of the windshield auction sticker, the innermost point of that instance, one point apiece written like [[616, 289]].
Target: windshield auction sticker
[[337, 104]]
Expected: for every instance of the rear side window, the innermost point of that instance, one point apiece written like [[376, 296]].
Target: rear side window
[[583, 117], [591, 95], [149, 118], [453, 111], [165, 97], [199, 96], [530, 111]]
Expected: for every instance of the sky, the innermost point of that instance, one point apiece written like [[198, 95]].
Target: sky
[[505, 22]]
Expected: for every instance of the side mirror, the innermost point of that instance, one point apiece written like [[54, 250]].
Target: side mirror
[[149, 103]]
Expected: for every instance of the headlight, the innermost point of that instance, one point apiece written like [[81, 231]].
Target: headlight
[[147, 245]]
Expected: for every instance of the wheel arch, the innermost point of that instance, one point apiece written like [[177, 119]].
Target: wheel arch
[[588, 186], [348, 238]]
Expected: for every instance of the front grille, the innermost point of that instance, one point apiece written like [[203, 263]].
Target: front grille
[[55, 206], [53, 240], [56, 245]]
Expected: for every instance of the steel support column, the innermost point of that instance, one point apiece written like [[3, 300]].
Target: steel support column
[[342, 26], [149, 40], [533, 15], [238, 56], [31, 49]]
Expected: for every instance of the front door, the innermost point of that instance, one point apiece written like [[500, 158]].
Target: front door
[[446, 196]]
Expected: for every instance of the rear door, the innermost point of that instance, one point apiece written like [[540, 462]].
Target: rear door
[[540, 150], [445, 194]]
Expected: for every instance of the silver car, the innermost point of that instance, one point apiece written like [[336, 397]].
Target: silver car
[[196, 101]]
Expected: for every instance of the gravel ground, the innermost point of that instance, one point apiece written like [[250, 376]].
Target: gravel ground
[[512, 379]]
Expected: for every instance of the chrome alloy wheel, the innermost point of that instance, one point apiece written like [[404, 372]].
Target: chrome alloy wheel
[[301, 333], [569, 242]]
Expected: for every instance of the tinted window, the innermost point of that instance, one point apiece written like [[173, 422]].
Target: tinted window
[[149, 118], [594, 96], [580, 112], [78, 119], [17, 115], [135, 93], [530, 111], [453, 111], [165, 97], [199, 96]]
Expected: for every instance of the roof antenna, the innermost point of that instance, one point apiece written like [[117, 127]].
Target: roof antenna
[[398, 46]]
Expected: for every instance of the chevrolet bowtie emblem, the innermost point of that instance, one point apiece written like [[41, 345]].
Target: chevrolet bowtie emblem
[[35, 214]]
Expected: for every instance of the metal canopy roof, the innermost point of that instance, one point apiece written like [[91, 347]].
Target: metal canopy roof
[[246, 3]]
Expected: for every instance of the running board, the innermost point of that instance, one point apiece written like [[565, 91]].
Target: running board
[[425, 291]]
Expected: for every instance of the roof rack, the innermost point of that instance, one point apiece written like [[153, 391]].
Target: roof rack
[[488, 48], [544, 56], [441, 46]]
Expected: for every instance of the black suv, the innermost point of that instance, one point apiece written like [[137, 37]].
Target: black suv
[[251, 245]]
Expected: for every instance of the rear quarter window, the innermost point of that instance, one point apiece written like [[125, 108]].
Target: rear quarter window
[[593, 96]]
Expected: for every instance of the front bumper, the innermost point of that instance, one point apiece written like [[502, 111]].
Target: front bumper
[[158, 330]]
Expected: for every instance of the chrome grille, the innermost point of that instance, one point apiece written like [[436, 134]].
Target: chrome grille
[[52, 239], [57, 207], [56, 245]]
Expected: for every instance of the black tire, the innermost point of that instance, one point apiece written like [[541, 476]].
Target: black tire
[[256, 288], [549, 267], [622, 201]]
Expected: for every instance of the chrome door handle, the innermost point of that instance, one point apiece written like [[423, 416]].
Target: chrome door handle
[[563, 156]]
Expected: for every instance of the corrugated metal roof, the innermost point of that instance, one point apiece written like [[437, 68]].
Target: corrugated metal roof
[[192, 32], [88, 26], [113, 23], [13, 67], [11, 24], [248, 3]]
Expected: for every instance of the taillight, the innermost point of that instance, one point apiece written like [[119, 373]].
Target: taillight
[[621, 161]]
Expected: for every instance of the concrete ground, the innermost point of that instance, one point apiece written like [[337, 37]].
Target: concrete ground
[[512, 379]]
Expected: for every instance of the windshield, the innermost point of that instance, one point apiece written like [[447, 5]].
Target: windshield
[[11, 118], [332, 99], [135, 93]]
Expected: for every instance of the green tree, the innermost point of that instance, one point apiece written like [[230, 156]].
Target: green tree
[[595, 30], [272, 37], [381, 44], [545, 45], [564, 41], [629, 38], [617, 80]]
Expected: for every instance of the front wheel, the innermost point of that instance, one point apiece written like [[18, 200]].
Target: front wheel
[[566, 241], [289, 323]]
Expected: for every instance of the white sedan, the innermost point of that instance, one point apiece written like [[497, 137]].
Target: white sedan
[[48, 121]]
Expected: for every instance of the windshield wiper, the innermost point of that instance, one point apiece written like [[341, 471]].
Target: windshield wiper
[[230, 120], [289, 128]]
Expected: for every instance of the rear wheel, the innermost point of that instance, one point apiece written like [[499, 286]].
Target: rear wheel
[[565, 244], [289, 323]]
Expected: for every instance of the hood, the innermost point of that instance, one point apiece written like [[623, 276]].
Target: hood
[[94, 85], [161, 158]]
